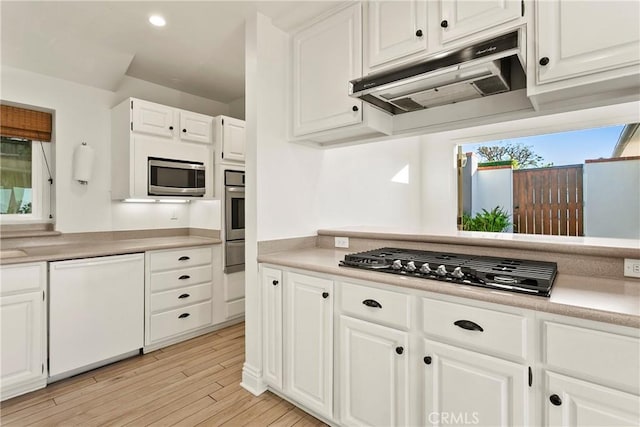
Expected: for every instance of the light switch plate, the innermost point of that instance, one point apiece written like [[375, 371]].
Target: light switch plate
[[342, 242], [631, 267]]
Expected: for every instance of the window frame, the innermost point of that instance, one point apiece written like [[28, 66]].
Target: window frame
[[40, 196]]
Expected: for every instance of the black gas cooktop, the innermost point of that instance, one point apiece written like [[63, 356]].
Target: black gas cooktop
[[509, 274]]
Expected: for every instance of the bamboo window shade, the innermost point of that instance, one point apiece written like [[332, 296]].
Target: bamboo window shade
[[19, 122]]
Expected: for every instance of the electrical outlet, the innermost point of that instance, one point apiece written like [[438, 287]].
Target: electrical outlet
[[342, 242], [631, 267], [174, 214]]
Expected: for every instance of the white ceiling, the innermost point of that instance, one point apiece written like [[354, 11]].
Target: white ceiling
[[200, 51]]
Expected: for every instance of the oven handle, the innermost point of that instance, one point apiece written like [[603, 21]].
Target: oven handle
[[235, 189]]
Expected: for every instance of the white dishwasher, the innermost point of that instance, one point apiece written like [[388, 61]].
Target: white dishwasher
[[96, 311]]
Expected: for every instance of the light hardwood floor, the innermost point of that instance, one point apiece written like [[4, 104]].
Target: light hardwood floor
[[195, 382]]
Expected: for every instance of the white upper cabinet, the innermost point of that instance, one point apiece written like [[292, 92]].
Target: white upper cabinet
[[577, 38], [462, 18], [195, 127], [151, 118], [230, 138], [394, 30], [326, 56]]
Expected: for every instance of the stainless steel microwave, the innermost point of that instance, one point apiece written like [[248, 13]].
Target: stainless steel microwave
[[176, 178]]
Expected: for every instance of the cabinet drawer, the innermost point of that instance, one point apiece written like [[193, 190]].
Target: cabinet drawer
[[180, 297], [180, 278], [169, 323], [493, 331], [179, 258], [605, 357], [22, 278], [377, 305]]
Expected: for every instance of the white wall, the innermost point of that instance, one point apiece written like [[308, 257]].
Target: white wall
[[237, 108], [357, 185], [494, 187], [612, 199], [82, 113]]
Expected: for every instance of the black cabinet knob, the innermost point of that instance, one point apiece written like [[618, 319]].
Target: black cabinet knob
[[184, 130], [183, 315], [184, 277], [275, 283], [399, 350], [444, 23], [555, 399], [184, 258], [468, 325], [419, 33], [355, 108], [544, 61], [183, 296], [372, 303], [170, 127], [427, 360], [325, 295]]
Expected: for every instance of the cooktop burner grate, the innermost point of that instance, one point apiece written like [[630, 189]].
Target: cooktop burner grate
[[510, 274]]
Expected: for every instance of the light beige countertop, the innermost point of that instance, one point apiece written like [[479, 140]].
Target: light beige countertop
[[601, 299], [92, 248]]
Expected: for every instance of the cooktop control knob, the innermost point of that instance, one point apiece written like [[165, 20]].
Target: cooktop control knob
[[457, 273], [397, 265], [441, 271], [425, 268], [411, 266]]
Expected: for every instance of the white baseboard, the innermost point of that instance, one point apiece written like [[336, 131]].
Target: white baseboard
[[252, 380]]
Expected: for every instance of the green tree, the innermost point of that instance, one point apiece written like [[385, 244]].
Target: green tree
[[522, 154]]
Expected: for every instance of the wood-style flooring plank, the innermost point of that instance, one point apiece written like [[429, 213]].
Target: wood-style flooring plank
[[196, 382]]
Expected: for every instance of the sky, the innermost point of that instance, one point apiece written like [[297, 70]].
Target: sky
[[567, 148]]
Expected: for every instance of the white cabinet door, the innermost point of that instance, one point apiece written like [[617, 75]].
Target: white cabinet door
[[272, 326], [576, 38], [195, 127], [96, 310], [22, 332], [152, 118], [569, 402], [308, 361], [472, 388], [374, 370], [395, 29], [461, 18], [233, 139], [326, 56]]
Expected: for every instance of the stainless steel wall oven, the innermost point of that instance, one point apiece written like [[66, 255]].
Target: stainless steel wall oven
[[234, 220]]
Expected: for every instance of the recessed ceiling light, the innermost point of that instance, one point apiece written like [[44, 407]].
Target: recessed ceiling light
[[157, 20]]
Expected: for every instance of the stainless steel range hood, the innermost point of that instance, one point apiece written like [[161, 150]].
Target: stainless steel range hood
[[475, 71]]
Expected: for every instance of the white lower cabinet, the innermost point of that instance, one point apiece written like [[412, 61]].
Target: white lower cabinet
[[272, 326], [465, 387], [22, 329], [570, 402], [308, 342], [374, 374]]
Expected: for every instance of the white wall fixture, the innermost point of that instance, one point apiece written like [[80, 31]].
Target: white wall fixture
[[83, 163]]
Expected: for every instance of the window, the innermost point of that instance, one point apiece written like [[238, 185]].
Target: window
[[24, 186], [579, 183]]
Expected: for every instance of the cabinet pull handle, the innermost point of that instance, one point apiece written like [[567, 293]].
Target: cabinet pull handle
[[184, 130], [444, 23], [530, 377], [184, 277], [170, 127], [544, 61], [419, 33], [183, 315], [427, 360], [184, 296], [355, 108], [399, 350], [325, 295], [184, 258], [275, 283], [555, 400], [372, 303], [468, 325]]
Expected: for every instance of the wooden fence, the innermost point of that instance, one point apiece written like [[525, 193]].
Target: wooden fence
[[548, 201]]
